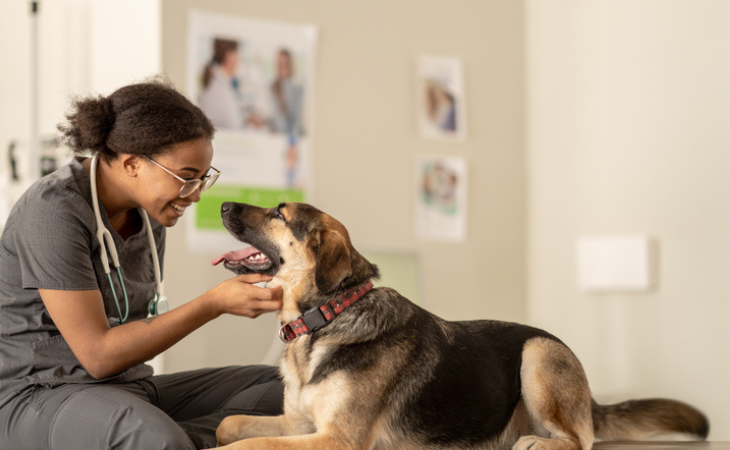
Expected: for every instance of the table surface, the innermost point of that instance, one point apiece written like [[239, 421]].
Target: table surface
[[662, 445]]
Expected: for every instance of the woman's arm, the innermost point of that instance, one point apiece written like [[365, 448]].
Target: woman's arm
[[106, 351]]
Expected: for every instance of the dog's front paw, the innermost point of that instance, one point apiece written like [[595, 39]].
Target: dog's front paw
[[230, 430], [532, 443], [540, 443]]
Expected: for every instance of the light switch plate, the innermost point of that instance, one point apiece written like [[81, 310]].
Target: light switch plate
[[620, 263]]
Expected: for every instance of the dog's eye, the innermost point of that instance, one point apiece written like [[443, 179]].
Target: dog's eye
[[276, 213]]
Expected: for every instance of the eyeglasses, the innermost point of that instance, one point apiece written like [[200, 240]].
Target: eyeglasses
[[190, 186]]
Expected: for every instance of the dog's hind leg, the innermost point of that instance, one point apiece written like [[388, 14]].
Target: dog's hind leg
[[556, 394]]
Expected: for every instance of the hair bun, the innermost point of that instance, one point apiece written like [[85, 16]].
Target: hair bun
[[100, 121], [107, 107], [89, 124]]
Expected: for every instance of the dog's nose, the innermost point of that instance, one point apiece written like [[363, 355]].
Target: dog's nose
[[225, 207]]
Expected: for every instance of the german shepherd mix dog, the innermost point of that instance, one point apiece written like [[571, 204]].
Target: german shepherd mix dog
[[367, 369]]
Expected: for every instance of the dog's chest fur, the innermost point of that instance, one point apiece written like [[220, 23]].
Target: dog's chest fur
[[311, 402], [300, 362]]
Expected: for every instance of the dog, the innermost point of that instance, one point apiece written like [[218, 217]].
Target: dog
[[365, 368]]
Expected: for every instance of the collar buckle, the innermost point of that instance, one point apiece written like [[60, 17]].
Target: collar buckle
[[314, 319]]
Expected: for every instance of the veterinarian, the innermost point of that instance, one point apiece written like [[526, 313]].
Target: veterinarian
[[75, 331]]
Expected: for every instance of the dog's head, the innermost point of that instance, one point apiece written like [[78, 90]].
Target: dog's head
[[294, 242]]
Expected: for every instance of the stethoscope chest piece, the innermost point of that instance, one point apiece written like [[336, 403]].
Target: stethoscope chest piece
[[158, 305]]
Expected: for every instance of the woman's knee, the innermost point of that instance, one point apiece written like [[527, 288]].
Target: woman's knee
[[148, 428], [110, 419], [266, 399]]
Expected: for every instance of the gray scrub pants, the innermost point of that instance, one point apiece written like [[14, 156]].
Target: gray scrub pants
[[178, 412]]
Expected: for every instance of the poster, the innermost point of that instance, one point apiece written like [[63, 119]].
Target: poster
[[440, 106], [441, 198], [254, 80]]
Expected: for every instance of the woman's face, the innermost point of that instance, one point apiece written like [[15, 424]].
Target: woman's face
[[283, 65], [230, 62], [159, 191]]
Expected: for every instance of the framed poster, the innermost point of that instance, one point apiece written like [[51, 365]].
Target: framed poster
[[441, 111], [441, 198], [254, 80]]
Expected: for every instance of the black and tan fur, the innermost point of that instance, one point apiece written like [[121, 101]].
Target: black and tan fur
[[386, 374]]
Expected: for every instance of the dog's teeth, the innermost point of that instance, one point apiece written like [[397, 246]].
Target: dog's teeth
[[257, 257]]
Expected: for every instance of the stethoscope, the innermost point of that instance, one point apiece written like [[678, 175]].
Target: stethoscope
[[158, 305]]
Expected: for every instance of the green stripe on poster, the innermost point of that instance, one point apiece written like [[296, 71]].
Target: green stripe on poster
[[208, 209]]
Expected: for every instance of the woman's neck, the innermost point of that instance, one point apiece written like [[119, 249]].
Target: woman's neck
[[122, 213]]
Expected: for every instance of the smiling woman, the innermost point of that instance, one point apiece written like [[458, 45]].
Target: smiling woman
[[67, 340]]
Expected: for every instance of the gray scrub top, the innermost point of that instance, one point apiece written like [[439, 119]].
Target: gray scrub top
[[49, 242]]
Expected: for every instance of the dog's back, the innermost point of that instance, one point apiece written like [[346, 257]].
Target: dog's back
[[452, 383], [459, 384], [473, 382]]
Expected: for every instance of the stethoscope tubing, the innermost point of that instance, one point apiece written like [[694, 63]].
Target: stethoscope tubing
[[105, 237]]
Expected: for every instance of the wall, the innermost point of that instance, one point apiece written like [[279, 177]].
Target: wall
[[14, 79], [79, 53], [628, 107], [366, 143], [62, 36]]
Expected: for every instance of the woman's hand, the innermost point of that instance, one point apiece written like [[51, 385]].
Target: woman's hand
[[239, 296]]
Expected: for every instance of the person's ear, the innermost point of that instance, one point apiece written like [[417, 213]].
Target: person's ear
[[131, 164]]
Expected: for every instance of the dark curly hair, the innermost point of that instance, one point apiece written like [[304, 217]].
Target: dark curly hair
[[141, 119]]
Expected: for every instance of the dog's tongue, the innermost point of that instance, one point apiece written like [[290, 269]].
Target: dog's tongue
[[236, 255]]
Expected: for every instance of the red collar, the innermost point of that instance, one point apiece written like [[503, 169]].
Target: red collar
[[321, 316]]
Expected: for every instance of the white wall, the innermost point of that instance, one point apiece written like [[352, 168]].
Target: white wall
[[629, 112], [84, 46], [62, 68], [126, 43]]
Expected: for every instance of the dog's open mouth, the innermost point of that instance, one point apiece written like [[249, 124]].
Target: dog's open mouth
[[249, 258]]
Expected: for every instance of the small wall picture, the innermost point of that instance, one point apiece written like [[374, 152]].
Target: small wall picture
[[441, 198], [440, 90]]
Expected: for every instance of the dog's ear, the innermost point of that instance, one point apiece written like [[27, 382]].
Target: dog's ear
[[334, 260]]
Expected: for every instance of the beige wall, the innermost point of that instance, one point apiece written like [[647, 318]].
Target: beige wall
[[629, 112], [365, 147]]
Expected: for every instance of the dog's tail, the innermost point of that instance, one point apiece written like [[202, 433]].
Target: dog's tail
[[639, 419]]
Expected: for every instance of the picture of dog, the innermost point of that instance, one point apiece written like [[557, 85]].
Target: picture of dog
[[365, 368]]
